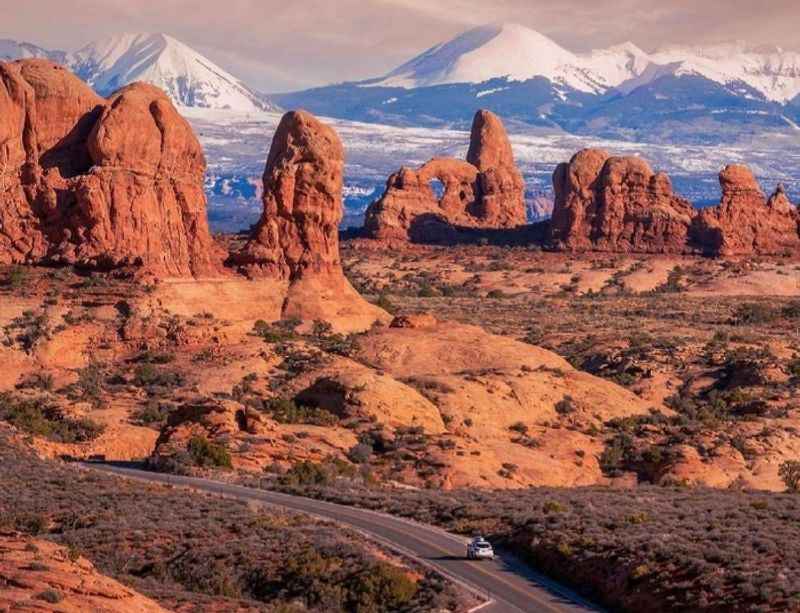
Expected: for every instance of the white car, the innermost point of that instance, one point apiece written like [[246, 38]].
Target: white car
[[480, 549]]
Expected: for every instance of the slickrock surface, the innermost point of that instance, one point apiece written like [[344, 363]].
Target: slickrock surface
[[36, 575], [617, 204], [486, 191], [745, 222], [99, 183]]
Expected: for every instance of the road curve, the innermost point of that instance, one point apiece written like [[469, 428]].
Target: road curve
[[510, 584]]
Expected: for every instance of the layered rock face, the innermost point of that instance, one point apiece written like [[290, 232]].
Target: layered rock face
[[619, 204], [745, 222], [99, 183], [486, 191], [298, 232], [296, 241]]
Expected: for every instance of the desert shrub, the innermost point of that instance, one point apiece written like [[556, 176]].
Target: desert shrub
[[51, 596], [381, 587], [207, 454], [287, 411], [791, 310], [17, 277], [566, 406], [789, 472], [330, 342], [753, 313], [89, 386], [385, 303], [39, 417], [360, 453], [155, 357], [673, 282], [153, 412], [519, 427], [615, 453], [278, 332], [150, 375], [28, 330], [37, 381]]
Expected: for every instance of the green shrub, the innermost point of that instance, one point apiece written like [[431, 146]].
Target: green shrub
[[360, 453], [287, 411], [789, 471], [149, 375], [381, 587], [208, 454], [519, 427], [51, 596], [17, 277], [566, 406], [39, 417]]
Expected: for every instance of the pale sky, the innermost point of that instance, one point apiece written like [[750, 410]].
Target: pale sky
[[279, 45]]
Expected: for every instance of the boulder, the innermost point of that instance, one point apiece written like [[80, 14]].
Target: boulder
[[487, 191], [617, 204], [745, 222]]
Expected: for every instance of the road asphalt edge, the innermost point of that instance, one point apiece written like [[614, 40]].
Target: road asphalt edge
[[477, 592]]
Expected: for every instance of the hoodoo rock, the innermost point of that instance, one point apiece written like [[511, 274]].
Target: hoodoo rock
[[296, 241], [617, 204], [487, 191], [745, 222], [298, 232], [99, 183]]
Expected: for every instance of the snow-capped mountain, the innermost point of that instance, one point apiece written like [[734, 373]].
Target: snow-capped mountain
[[517, 53], [14, 50], [773, 72], [189, 78], [683, 94]]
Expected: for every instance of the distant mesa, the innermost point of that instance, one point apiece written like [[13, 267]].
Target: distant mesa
[[486, 191]]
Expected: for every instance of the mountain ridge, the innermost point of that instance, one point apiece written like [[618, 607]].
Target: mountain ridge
[[189, 78]]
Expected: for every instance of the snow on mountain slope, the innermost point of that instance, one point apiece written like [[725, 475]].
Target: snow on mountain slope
[[772, 71], [190, 79], [13, 50], [485, 53], [518, 53]]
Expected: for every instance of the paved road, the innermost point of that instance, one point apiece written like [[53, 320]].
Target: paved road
[[511, 585]]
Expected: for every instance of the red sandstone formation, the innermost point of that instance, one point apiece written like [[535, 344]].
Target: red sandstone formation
[[98, 183], [298, 232], [617, 204], [296, 240], [745, 222], [486, 191]]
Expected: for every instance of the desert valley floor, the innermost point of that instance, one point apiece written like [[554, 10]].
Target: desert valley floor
[[650, 379]]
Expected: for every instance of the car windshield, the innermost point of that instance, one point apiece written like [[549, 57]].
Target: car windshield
[[483, 545]]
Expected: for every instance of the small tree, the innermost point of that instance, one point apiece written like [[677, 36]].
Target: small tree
[[790, 473]]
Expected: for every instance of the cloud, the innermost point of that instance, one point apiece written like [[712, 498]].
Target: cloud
[[278, 45]]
